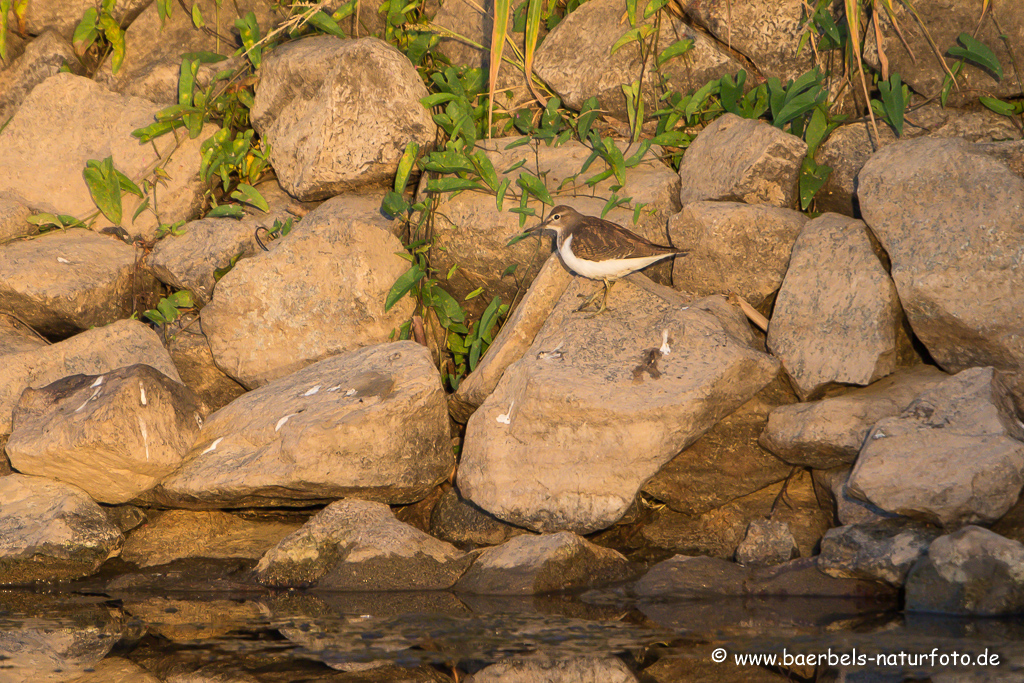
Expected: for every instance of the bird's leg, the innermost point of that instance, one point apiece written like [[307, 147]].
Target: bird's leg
[[589, 300], [604, 302]]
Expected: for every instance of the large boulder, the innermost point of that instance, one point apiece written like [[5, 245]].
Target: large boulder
[[51, 530], [955, 456], [884, 550], [951, 218], [67, 120], [43, 57], [837, 318], [624, 394], [348, 124], [369, 424], [114, 435], [337, 265]]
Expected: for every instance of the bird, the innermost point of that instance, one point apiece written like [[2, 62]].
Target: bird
[[599, 249]]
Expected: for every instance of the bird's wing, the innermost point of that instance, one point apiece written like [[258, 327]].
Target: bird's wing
[[600, 240]]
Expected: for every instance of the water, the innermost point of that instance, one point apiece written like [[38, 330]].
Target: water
[[247, 637]]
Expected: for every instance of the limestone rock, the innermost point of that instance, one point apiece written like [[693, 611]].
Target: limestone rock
[[767, 542], [513, 339], [837, 319], [955, 456], [67, 120], [43, 57], [191, 354], [51, 530], [742, 160], [472, 234], [337, 265], [850, 145], [725, 463], [575, 59], [945, 21], [349, 123], [16, 338], [178, 534], [92, 352], [951, 218], [973, 571], [371, 424], [830, 432], [70, 280], [459, 522], [733, 247], [548, 563], [718, 532], [613, 405], [849, 510], [114, 435], [359, 545], [154, 47], [878, 551]]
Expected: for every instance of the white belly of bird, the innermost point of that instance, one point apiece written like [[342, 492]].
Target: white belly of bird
[[611, 269]]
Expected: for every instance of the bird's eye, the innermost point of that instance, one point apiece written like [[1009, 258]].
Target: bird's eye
[[556, 217]]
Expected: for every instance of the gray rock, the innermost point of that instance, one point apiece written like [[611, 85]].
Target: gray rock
[[837, 318], [883, 550], [766, 33], [575, 58], [93, 352], [849, 510], [126, 517], [718, 532], [849, 146], [371, 424], [178, 534], [67, 120], [50, 530], [613, 404], [43, 57], [337, 265], [114, 435], [359, 545], [954, 456], [544, 667], [767, 542], [726, 463], [348, 126], [955, 252], [830, 432], [734, 247], [457, 521], [528, 565], [742, 160], [191, 354], [70, 280], [973, 571], [471, 233]]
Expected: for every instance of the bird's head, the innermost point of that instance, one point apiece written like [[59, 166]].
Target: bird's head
[[560, 218]]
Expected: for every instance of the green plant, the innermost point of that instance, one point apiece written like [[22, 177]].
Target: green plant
[[171, 307], [99, 28]]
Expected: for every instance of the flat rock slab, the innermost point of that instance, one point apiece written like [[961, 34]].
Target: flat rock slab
[[67, 120], [372, 424], [951, 218], [973, 571], [178, 534], [734, 247], [349, 123], [955, 456], [611, 403], [878, 551], [359, 545], [528, 565], [50, 530], [837, 319], [92, 352], [742, 160], [114, 435], [335, 267], [830, 432], [67, 281]]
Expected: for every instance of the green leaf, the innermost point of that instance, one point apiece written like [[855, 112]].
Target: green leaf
[[204, 57], [452, 185], [534, 186], [187, 81], [673, 138], [447, 308], [325, 23], [104, 187], [163, 8], [115, 36], [86, 32], [893, 102], [1000, 107], [812, 178], [405, 165], [632, 35], [475, 350], [431, 101], [676, 49], [979, 53], [156, 316], [249, 31], [226, 211], [654, 6], [485, 168], [248, 194], [394, 204], [181, 299], [403, 285], [155, 130], [127, 185], [499, 197], [588, 114], [613, 155], [474, 294], [197, 16], [448, 161]]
